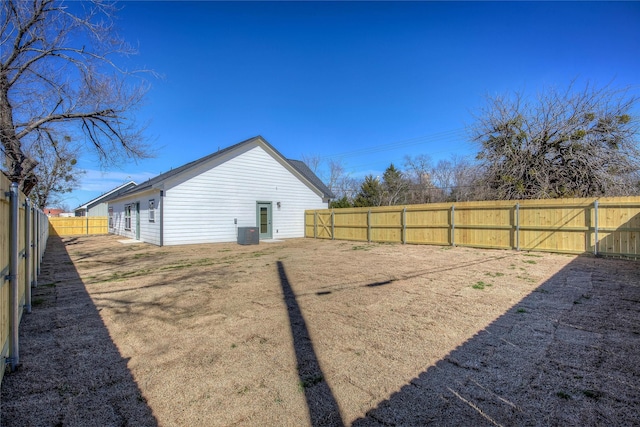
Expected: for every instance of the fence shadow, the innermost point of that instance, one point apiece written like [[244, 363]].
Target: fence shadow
[[322, 404], [72, 372], [564, 355]]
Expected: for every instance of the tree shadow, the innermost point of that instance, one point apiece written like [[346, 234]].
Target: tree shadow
[[566, 354], [322, 404], [72, 373]]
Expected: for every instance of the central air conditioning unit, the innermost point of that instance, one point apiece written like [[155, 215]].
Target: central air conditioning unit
[[248, 236]]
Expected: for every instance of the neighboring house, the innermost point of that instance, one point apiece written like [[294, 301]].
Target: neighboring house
[[53, 212], [98, 206], [249, 184]]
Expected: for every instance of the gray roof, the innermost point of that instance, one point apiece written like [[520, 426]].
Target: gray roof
[[103, 198], [312, 177], [299, 166]]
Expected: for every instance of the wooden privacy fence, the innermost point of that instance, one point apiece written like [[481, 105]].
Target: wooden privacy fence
[[23, 236], [78, 225], [606, 226]]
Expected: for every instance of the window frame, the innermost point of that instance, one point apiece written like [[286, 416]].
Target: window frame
[[127, 217], [152, 210]]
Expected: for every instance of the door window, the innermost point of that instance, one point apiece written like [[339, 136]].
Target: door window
[[264, 220]]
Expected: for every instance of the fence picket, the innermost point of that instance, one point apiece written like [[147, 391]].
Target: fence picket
[[23, 237], [79, 225], [605, 226]]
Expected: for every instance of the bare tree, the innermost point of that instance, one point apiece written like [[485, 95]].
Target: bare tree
[[458, 179], [571, 143], [58, 75], [56, 171], [418, 173], [334, 174], [340, 181], [444, 179], [313, 162]]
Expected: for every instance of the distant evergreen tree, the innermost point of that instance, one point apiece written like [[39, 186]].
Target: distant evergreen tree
[[394, 186], [370, 193], [341, 203]]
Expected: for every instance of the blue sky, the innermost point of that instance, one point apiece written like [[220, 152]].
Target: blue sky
[[377, 80]]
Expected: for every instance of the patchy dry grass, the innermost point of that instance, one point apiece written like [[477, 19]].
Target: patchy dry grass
[[313, 332]]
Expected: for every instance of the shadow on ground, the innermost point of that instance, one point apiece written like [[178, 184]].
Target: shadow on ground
[[567, 354], [322, 404], [72, 374]]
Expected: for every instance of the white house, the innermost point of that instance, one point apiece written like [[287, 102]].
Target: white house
[[99, 206], [249, 184]]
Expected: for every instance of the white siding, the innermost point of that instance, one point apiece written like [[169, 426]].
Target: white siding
[[98, 210], [149, 231], [201, 206]]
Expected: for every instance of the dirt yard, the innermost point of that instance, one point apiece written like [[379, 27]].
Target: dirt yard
[[313, 332]]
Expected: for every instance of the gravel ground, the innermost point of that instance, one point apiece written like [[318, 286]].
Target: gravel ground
[[311, 332]]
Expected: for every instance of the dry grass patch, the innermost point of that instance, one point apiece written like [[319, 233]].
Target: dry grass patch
[[326, 332]]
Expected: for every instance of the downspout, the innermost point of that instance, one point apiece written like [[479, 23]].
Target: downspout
[[161, 217], [14, 345]]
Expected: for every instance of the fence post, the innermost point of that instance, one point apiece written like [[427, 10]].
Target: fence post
[[518, 226], [369, 226], [38, 252], [404, 225], [315, 224], [87, 222], [14, 345], [333, 234], [595, 244], [34, 245], [27, 256], [453, 225]]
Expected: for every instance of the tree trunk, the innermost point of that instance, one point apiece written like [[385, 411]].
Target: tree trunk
[[20, 167]]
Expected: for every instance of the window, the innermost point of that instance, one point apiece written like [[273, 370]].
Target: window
[[127, 217], [110, 217], [152, 210]]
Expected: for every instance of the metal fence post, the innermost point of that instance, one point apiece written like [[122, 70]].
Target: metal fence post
[[38, 250], [453, 225], [34, 246], [14, 346], [27, 256], [596, 243]]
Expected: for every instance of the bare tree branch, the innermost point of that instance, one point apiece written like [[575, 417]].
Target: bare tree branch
[[571, 143], [60, 72]]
